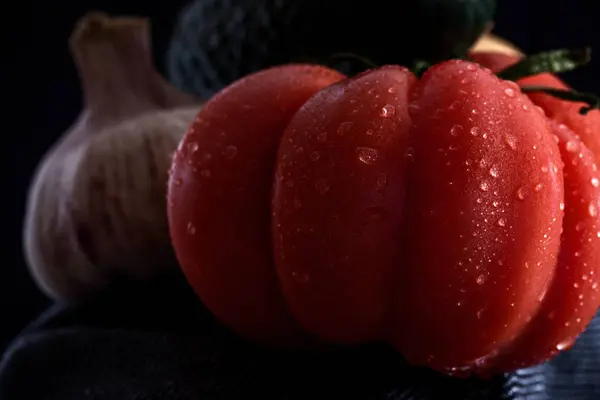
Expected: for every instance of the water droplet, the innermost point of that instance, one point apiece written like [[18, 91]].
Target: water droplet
[[525, 107], [538, 187], [471, 67], [521, 194], [511, 141], [409, 155], [369, 132], [367, 155], [501, 222], [178, 182], [545, 169], [595, 182], [479, 201], [315, 155], [391, 90], [576, 285], [230, 152], [453, 147], [388, 111], [540, 110], [496, 203], [494, 171], [593, 210], [193, 147], [485, 186], [509, 92], [475, 131], [191, 229], [205, 173], [564, 345], [480, 279], [322, 186], [322, 137], [473, 111], [562, 206], [456, 130], [571, 146], [344, 128]]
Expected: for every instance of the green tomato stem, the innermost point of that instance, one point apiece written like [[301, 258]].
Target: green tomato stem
[[555, 61]]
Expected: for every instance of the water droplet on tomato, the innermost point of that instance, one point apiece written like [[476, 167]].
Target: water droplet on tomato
[[322, 137], [525, 107], [344, 128], [230, 152], [571, 146], [510, 92], [521, 194], [595, 182], [471, 67], [485, 186], [494, 171], [511, 141], [501, 222], [562, 206], [456, 130], [191, 229], [367, 155], [369, 132], [540, 110], [453, 147], [193, 147], [391, 90], [475, 131], [593, 210], [388, 111], [538, 187], [480, 279], [178, 182], [409, 154], [565, 344]]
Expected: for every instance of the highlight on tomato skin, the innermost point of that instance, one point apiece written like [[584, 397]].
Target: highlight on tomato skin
[[450, 215]]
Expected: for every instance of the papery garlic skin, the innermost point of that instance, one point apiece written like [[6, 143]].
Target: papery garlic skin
[[96, 210]]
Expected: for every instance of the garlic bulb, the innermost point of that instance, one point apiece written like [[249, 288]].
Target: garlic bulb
[[96, 209]]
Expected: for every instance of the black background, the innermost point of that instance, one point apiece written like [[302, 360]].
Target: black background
[[42, 98]]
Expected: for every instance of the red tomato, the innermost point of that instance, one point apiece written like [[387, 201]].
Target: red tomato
[[422, 212]]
